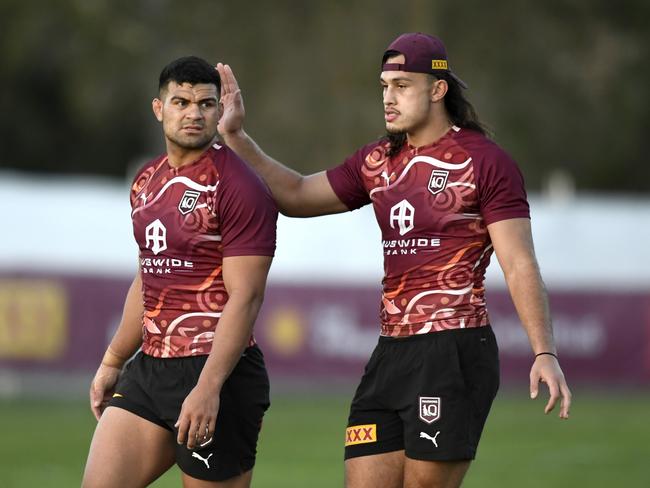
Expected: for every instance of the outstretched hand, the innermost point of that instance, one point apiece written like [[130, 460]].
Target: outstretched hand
[[546, 369], [232, 118]]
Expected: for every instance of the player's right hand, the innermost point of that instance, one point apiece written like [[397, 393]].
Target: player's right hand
[[102, 388], [232, 103]]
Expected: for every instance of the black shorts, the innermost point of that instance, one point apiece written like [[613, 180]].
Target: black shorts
[[155, 388], [428, 394]]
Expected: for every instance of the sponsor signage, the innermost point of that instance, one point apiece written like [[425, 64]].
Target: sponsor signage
[[64, 322]]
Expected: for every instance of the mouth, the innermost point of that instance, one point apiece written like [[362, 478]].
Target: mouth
[[390, 115], [192, 129]]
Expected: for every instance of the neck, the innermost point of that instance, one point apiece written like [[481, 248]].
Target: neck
[[430, 132], [179, 156]]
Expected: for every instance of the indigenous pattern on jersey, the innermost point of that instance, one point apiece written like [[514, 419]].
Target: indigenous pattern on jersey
[[185, 221], [433, 205]]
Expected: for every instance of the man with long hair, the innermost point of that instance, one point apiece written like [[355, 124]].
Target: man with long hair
[[445, 197], [196, 392]]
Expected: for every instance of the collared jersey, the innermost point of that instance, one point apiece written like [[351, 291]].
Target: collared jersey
[[185, 221], [433, 205]]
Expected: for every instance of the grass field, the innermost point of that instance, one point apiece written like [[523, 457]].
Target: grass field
[[606, 443]]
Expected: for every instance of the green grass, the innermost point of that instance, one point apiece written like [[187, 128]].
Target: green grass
[[606, 443]]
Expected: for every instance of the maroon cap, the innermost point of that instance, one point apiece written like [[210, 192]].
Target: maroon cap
[[422, 54]]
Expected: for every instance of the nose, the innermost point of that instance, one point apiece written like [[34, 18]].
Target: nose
[[194, 111], [388, 96]]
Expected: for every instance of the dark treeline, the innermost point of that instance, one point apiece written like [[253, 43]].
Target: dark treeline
[[563, 85]]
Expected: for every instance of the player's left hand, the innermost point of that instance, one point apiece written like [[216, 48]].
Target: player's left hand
[[198, 417], [546, 369]]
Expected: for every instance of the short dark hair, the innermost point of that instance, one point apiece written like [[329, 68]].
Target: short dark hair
[[189, 69]]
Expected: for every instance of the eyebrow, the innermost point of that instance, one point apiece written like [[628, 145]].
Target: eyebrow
[[204, 99]]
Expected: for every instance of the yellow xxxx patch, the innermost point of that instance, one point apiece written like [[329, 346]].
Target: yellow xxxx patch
[[117, 395], [438, 64], [360, 434]]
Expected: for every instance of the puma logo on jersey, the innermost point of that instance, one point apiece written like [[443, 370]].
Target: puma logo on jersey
[[205, 460], [390, 306], [424, 435], [384, 175]]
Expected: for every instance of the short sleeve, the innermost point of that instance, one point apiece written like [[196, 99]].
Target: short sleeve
[[502, 194], [141, 179], [247, 212], [347, 182]]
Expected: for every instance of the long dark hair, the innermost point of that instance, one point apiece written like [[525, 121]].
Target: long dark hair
[[461, 113]]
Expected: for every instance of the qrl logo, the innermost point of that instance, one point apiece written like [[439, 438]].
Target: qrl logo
[[429, 409], [438, 181], [156, 236], [188, 201], [402, 214]]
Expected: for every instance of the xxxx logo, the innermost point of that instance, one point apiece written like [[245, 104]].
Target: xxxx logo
[[360, 434]]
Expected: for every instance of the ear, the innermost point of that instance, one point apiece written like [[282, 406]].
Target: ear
[[438, 90], [157, 106]]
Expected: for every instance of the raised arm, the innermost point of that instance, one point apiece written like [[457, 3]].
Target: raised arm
[[513, 244], [296, 195]]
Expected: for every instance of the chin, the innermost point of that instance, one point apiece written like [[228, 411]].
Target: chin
[[393, 129]]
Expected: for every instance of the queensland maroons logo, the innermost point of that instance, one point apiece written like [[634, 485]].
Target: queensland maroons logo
[[429, 409], [188, 201], [438, 180]]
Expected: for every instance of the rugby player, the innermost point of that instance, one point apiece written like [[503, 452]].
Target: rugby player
[[196, 392], [445, 197]]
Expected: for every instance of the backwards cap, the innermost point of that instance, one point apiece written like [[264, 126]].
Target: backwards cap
[[422, 54]]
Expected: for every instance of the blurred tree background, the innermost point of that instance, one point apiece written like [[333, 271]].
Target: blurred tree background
[[562, 84]]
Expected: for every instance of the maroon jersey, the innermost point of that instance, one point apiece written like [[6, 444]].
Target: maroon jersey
[[185, 221], [433, 204]]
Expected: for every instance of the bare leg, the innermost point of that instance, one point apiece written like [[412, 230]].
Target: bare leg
[[241, 481], [385, 470], [127, 451], [434, 474]]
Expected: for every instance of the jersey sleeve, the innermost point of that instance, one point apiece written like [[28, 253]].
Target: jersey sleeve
[[247, 212], [347, 182], [140, 180], [501, 190]]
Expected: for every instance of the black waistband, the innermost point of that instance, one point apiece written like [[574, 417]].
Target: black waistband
[[432, 336]]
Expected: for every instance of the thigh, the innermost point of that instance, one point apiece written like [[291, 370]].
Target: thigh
[[385, 470], [374, 426], [449, 402], [127, 451], [434, 474], [241, 481], [244, 399]]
